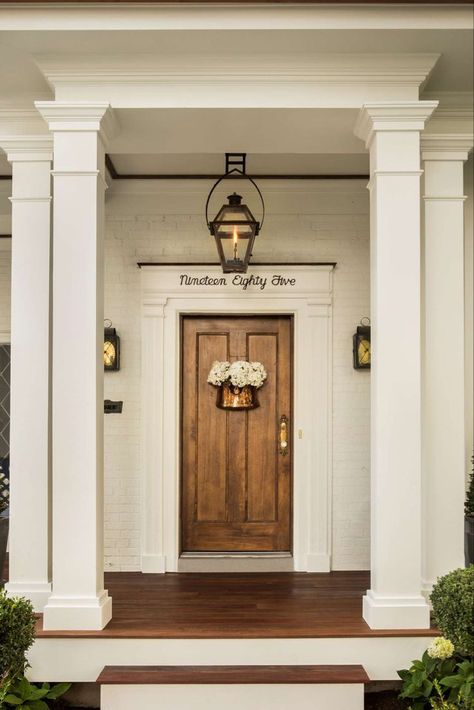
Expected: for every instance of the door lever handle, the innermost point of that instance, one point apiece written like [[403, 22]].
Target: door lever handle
[[283, 435]]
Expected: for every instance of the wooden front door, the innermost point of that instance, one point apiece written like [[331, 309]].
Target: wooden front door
[[236, 483]]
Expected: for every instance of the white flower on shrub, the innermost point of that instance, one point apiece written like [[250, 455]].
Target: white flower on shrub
[[440, 648], [239, 373]]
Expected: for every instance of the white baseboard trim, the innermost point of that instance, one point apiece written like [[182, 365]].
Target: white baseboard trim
[[153, 564], [318, 562], [395, 612]]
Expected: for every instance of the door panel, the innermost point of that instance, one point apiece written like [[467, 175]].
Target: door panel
[[236, 486]]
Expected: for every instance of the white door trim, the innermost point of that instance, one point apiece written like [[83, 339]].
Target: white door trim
[[165, 296]]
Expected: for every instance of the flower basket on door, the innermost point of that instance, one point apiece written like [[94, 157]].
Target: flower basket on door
[[237, 383]]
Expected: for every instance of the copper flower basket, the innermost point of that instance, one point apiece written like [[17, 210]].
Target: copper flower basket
[[231, 397]]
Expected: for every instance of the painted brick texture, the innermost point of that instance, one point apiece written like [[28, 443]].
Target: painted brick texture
[[164, 222]]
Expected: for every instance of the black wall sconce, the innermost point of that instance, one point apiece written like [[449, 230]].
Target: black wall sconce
[[234, 227], [111, 347], [361, 350]]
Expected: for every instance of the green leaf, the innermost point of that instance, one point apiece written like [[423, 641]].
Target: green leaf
[[13, 699], [58, 690], [451, 681], [26, 688], [37, 693], [427, 689], [38, 705]]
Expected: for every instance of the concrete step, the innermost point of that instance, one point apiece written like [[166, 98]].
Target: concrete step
[[338, 687]]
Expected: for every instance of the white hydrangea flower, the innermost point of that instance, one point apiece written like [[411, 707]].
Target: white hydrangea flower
[[239, 373], [440, 648], [219, 373]]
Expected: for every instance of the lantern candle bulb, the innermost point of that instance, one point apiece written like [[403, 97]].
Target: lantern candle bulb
[[235, 242]]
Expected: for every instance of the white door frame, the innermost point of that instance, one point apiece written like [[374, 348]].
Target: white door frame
[[165, 297]]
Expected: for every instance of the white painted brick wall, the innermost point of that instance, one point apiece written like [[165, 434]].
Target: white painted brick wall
[[164, 222]]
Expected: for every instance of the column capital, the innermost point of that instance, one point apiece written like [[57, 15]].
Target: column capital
[[28, 148], [446, 146], [79, 116], [389, 116]]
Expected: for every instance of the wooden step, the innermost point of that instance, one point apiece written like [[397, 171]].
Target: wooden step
[[253, 687], [227, 675]]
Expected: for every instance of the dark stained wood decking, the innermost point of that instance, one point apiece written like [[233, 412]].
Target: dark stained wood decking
[[266, 605], [202, 675]]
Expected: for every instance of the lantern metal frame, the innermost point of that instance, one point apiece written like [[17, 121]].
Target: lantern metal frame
[[235, 265], [362, 333]]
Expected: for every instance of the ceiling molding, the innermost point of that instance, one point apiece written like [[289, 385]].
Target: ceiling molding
[[350, 68]]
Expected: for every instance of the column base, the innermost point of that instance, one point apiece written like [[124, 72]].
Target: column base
[[37, 592], [77, 613], [395, 612]]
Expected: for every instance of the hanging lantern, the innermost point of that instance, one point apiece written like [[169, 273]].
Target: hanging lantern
[[111, 348], [234, 228]]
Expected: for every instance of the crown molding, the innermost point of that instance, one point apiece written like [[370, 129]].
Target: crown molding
[[403, 116], [107, 75], [79, 116]]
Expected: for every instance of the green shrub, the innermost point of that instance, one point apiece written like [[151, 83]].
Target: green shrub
[[453, 608], [29, 696], [441, 680], [17, 633]]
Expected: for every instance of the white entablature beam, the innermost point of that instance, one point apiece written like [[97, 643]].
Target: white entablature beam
[[116, 17], [242, 81]]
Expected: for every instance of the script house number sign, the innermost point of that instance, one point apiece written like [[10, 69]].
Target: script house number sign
[[240, 281]]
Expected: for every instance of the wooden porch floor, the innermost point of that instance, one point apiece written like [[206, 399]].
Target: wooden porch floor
[[266, 605]]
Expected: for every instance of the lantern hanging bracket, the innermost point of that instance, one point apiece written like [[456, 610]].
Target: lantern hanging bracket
[[230, 173], [235, 161]]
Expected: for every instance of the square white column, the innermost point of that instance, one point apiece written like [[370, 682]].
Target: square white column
[[392, 134], [29, 535], [78, 600], [443, 354]]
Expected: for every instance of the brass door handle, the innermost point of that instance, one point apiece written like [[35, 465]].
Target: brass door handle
[[283, 435]]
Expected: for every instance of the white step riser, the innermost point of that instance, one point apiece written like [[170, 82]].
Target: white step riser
[[233, 697]]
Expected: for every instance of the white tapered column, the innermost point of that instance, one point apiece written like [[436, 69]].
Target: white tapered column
[[79, 600], [443, 354], [29, 536], [392, 134]]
